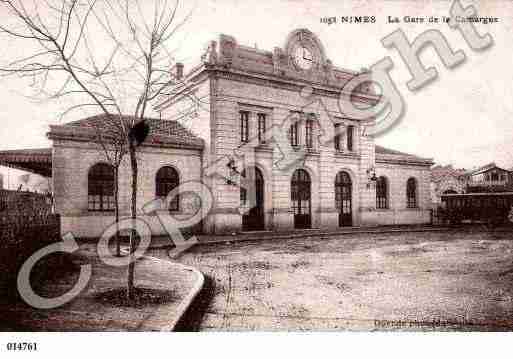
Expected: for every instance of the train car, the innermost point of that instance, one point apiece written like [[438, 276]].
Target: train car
[[476, 207]]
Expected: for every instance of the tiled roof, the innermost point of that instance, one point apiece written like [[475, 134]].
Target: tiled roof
[[161, 131], [439, 173], [384, 153], [484, 168], [43, 154]]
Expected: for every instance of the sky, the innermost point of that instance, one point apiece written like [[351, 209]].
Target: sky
[[463, 118]]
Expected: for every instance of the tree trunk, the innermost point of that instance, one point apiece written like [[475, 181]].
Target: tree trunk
[[116, 209], [133, 213]]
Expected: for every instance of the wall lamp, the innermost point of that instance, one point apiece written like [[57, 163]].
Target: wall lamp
[[371, 175], [233, 172]]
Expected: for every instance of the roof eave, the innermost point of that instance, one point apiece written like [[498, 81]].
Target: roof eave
[[161, 142]]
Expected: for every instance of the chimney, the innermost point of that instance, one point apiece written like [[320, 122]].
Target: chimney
[[179, 70]]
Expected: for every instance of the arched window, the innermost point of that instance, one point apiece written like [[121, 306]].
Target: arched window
[[381, 193], [342, 190], [166, 180], [411, 193], [100, 188]]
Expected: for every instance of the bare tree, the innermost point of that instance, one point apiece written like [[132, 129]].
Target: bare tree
[[111, 57], [113, 145]]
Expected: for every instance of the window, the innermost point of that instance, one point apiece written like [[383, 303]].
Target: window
[[261, 127], [293, 134], [100, 188], [337, 138], [381, 193], [244, 126], [411, 193], [350, 135], [495, 176], [309, 132], [166, 180]]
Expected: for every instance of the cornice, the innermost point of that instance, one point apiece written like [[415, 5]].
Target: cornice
[[404, 161], [262, 79]]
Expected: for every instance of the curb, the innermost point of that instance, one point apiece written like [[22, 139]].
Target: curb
[[269, 235], [189, 298], [234, 239]]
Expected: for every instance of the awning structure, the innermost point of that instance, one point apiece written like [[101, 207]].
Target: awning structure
[[37, 161]]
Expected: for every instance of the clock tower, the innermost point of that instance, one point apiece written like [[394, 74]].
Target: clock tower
[[274, 116]]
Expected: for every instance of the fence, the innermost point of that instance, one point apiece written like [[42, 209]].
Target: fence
[[26, 225], [15, 202]]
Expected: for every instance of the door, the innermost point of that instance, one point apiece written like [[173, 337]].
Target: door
[[253, 220], [343, 199], [301, 199]]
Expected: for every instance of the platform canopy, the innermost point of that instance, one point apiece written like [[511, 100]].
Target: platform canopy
[[37, 161]]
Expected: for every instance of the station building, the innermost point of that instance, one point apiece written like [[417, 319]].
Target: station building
[[272, 114]]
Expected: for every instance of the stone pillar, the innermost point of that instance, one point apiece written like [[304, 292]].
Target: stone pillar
[[283, 217], [328, 212], [367, 193], [225, 215]]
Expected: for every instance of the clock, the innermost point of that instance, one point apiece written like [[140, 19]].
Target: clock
[[303, 57], [305, 53]]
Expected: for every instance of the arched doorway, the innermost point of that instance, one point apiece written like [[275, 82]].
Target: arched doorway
[[301, 199], [254, 218], [343, 199]]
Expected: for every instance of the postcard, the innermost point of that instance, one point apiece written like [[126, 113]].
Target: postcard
[[331, 168]]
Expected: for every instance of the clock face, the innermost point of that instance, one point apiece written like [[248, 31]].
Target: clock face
[[303, 57]]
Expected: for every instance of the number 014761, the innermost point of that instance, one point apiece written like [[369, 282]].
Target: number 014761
[[22, 346]]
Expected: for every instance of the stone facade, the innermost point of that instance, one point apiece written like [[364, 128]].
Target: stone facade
[[71, 164], [237, 78], [74, 156]]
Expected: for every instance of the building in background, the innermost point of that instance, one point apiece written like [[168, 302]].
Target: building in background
[[488, 178], [446, 179]]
